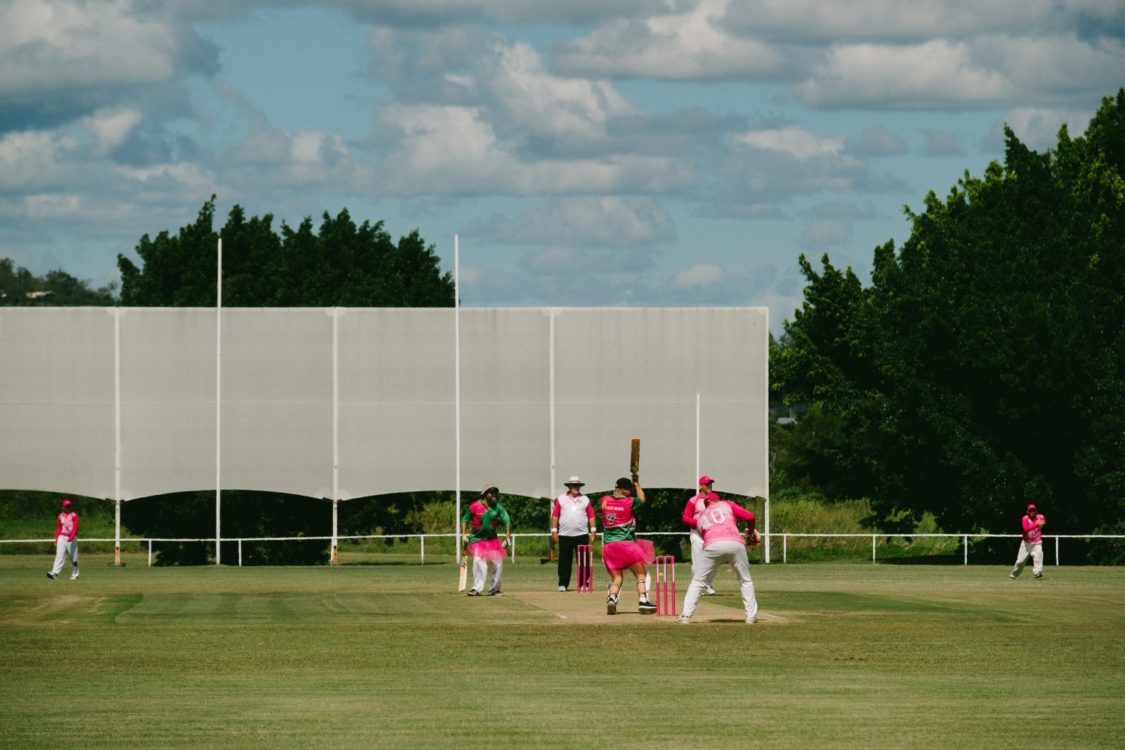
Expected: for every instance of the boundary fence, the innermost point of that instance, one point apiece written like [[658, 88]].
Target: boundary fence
[[516, 537]]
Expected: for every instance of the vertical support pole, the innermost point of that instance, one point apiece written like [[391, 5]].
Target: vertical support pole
[[1056, 552], [784, 548], [766, 466], [218, 406], [117, 436], [966, 549], [334, 558], [457, 391], [551, 396], [150, 553], [422, 554], [240, 553], [872, 549], [698, 408]]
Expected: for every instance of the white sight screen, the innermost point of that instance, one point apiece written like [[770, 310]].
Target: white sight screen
[[354, 402]]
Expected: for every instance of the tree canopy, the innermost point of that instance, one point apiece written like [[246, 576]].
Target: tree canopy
[[984, 365], [339, 264], [19, 287]]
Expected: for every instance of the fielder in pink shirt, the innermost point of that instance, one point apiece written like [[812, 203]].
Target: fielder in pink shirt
[[717, 522], [66, 541], [705, 485], [1031, 544]]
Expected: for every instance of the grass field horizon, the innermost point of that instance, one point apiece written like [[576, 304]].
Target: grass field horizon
[[389, 655]]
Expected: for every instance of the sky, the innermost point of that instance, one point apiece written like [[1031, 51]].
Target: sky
[[584, 152]]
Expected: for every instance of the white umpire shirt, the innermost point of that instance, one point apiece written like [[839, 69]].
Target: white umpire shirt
[[572, 515]]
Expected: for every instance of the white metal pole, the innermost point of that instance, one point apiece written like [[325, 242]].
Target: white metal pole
[[551, 411], [117, 436], [698, 406], [335, 559], [766, 463], [218, 406], [457, 390]]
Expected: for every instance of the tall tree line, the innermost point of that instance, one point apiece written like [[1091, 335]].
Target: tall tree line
[[983, 366]]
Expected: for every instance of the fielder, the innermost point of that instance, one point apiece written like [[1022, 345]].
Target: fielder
[[66, 541], [717, 521], [1031, 544], [483, 516], [705, 483]]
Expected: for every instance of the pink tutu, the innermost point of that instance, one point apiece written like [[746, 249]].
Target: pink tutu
[[622, 555], [489, 549]]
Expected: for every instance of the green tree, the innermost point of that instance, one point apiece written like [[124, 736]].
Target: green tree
[[985, 364], [20, 287]]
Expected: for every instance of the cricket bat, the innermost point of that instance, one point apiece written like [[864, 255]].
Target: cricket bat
[[635, 458], [462, 576]]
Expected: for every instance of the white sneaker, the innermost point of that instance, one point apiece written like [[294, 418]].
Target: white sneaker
[[74, 577], [751, 620], [681, 620], [711, 592], [562, 589]]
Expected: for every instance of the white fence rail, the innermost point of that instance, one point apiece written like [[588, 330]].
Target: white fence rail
[[785, 537]]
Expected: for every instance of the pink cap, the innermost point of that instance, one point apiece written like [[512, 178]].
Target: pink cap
[[66, 503], [1031, 508], [706, 480]]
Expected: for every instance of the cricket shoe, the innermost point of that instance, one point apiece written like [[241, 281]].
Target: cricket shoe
[[562, 589], [496, 592], [710, 591], [1038, 575], [751, 620], [681, 620], [611, 605], [74, 577], [1012, 576], [473, 592], [51, 575], [645, 607]]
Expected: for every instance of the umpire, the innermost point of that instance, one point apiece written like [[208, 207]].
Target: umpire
[[572, 524]]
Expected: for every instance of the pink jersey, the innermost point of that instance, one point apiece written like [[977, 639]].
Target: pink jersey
[[1032, 531], [67, 526], [718, 522]]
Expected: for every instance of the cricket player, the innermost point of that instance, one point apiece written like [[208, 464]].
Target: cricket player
[[705, 485], [621, 549], [482, 517], [717, 521], [1031, 544], [66, 541]]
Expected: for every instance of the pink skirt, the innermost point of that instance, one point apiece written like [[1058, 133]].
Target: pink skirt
[[623, 555], [489, 549]]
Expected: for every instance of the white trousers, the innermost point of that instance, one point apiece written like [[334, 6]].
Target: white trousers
[[1036, 553], [63, 548], [480, 573], [696, 554], [710, 559]]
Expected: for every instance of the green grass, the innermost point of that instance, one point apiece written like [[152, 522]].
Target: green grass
[[388, 655]]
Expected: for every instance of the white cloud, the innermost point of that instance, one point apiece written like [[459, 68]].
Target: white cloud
[[825, 232], [605, 221], [34, 160], [1038, 128], [444, 150], [932, 74], [877, 141], [111, 127], [941, 143], [53, 44], [681, 45], [792, 141], [699, 275], [537, 102], [887, 20]]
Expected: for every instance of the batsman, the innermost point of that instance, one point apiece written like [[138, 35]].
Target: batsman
[[621, 549]]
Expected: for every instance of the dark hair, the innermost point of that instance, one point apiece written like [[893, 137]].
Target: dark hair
[[624, 483]]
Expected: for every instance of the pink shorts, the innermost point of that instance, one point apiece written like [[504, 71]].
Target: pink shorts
[[489, 549], [623, 555]]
